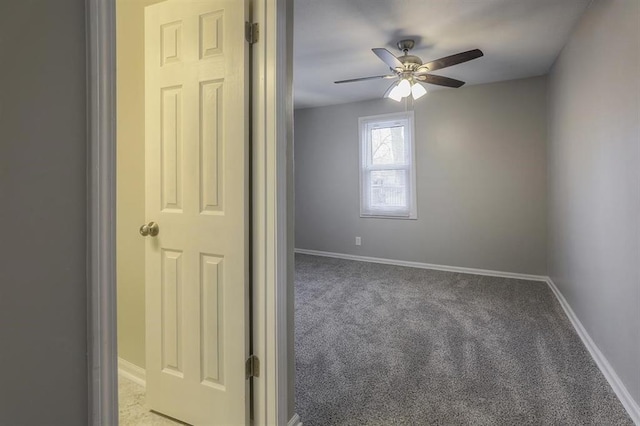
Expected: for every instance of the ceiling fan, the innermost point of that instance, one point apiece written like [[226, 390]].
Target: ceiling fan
[[410, 72]]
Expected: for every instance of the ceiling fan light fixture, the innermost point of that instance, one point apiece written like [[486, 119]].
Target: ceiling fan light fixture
[[395, 93], [418, 90], [404, 88]]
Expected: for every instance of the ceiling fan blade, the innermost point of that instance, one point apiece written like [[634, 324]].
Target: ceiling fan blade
[[377, 77], [388, 58], [440, 80], [448, 61]]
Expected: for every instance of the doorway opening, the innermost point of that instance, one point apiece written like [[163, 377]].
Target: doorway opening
[[271, 133], [183, 242]]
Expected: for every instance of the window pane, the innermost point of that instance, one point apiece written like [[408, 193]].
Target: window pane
[[388, 190], [387, 145]]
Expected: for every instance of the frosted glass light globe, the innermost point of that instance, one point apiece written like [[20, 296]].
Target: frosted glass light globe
[[404, 88], [418, 90]]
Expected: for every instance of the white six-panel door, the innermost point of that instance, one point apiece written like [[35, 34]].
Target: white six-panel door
[[197, 192]]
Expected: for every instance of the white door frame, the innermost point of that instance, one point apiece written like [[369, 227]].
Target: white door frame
[[271, 130]]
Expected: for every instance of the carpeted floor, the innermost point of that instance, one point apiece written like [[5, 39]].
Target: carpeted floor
[[388, 345]]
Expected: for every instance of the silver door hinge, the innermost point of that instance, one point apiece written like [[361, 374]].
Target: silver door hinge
[[251, 32], [252, 367]]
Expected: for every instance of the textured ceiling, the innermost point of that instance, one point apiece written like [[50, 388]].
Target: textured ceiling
[[333, 41]]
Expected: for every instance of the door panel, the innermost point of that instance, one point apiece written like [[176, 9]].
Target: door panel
[[211, 168], [171, 148], [197, 191], [171, 309]]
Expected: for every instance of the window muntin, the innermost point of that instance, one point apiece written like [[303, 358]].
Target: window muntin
[[387, 172]]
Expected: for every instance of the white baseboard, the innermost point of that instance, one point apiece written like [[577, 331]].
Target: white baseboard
[[132, 372], [295, 421], [460, 269], [607, 370]]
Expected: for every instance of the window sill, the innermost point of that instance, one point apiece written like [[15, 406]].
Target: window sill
[[387, 216]]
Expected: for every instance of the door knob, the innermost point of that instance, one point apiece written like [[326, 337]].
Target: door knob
[[150, 228]]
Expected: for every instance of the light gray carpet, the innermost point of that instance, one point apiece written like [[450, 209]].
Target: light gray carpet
[[387, 345]]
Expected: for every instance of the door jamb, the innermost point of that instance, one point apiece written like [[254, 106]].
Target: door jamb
[[101, 232], [271, 133]]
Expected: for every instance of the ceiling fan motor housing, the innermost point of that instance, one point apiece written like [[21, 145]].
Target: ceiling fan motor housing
[[410, 62]]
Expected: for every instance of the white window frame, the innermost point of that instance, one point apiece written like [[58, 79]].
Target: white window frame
[[365, 125]]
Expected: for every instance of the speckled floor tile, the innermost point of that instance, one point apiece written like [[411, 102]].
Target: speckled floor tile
[[132, 407]]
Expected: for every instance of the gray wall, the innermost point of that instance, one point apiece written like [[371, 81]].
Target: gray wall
[[594, 181], [481, 180], [43, 311]]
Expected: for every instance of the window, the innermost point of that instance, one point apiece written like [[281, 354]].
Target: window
[[387, 170]]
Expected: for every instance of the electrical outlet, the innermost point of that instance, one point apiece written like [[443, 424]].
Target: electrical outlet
[[358, 241]]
